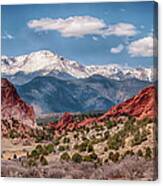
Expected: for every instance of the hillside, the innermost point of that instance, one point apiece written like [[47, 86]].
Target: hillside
[[96, 93]]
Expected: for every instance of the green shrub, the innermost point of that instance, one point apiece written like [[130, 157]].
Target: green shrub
[[35, 154], [15, 156], [61, 148], [105, 149], [110, 124], [65, 156], [90, 158], [93, 156], [76, 146], [31, 162], [43, 160], [106, 135], [87, 158], [140, 153], [77, 158], [83, 147], [13, 134], [66, 140], [139, 137], [56, 142], [129, 152], [39, 149], [148, 153], [90, 148], [115, 142], [49, 148], [114, 157]]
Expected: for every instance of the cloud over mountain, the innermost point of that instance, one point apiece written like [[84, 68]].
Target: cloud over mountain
[[144, 47], [78, 26]]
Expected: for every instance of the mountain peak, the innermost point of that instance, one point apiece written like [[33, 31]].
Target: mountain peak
[[45, 62]]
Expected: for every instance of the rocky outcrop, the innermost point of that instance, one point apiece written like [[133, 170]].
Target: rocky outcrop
[[143, 105], [66, 119], [14, 111]]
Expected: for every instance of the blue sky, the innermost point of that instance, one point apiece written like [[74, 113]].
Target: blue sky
[[95, 33]]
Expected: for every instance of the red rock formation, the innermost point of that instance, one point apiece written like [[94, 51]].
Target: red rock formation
[[143, 105], [14, 108], [66, 119]]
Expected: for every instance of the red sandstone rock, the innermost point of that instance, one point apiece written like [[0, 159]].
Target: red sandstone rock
[[66, 119], [14, 108], [143, 105]]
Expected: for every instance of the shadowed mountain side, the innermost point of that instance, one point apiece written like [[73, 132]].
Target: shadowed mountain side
[[50, 94]]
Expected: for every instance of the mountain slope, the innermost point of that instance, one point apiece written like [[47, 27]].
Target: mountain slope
[[22, 69], [96, 93], [54, 95]]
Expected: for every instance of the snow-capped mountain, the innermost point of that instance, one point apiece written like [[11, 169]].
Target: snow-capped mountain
[[22, 69]]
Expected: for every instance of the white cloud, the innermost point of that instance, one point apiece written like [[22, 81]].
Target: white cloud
[[121, 29], [78, 26], [117, 49], [144, 47], [7, 36], [95, 38]]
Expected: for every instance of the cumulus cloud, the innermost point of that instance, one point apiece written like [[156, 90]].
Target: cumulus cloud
[[121, 29], [78, 26], [7, 36], [144, 47], [117, 49]]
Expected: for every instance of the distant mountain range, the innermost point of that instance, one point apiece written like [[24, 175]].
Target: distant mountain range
[[51, 83], [22, 69], [96, 93]]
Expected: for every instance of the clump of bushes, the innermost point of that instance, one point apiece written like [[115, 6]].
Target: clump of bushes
[[116, 141], [140, 153], [65, 156], [13, 134], [61, 148], [38, 154], [66, 140], [49, 148], [128, 152], [77, 158], [43, 160], [139, 137], [85, 146], [114, 157]]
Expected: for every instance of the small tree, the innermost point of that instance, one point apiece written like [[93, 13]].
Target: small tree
[[148, 153], [140, 153], [90, 148], [50, 148], [43, 160], [61, 148], [65, 156], [77, 158]]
